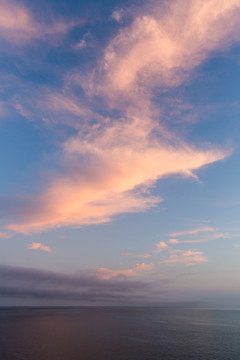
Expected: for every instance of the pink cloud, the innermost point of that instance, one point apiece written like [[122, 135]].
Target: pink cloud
[[39, 246], [144, 256], [211, 237], [105, 274], [173, 241], [188, 257], [161, 245], [118, 15], [17, 24], [109, 167], [193, 231], [4, 235], [200, 235], [160, 46], [114, 181]]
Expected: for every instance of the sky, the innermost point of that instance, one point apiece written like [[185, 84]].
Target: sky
[[119, 152]]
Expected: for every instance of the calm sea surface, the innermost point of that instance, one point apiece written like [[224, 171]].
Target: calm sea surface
[[119, 334]]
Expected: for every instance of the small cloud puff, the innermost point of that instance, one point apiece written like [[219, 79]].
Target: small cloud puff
[[39, 246], [118, 15], [161, 245], [173, 241]]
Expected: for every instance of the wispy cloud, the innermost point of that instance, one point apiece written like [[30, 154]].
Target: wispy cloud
[[188, 258], [113, 181], [198, 235], [118, 15], [193, 231], [143, 256], [214, 236], [173, 241], [4, 235], [170, 255], [158, 48], [109, 166], [85, 41], [104, 273], [18, 25], [39, 246]]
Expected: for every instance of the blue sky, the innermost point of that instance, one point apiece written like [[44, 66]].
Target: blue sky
[[119, 152]]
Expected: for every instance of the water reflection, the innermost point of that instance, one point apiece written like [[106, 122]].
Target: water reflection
[[118, 333]]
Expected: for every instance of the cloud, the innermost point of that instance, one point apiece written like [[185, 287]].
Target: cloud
[[214, 236], [83, 287], [161, 245], [118, 15], [59, 108], [104, 273], [198, 235], [85, 41], [188, 258], [144, 256], [108, 167], [173, 241], [160, 47], [39, 246], [4, 235], [112, 179], [126, 254], [18, 26], [193, 231]]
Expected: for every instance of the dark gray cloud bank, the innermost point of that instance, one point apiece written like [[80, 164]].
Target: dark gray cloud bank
[[27, 286], [21, 286]]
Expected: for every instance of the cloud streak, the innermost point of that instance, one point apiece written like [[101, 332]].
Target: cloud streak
[[193, 231], [198, 235]]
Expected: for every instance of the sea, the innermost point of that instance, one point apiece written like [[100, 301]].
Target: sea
[[119, 333]]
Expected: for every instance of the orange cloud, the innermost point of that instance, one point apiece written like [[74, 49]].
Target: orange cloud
[[39, 246]]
